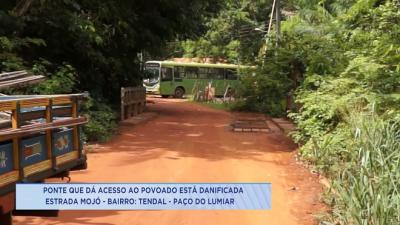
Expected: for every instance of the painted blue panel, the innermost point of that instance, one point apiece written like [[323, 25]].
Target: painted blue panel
[[33, 150], [32, 109], [62, 142], [6, 158]]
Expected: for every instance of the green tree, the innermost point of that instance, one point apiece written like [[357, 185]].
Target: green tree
[[231, 34], [90, 45]]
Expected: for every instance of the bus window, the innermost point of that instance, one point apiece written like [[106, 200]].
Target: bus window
[[216, 73], [191, 72], [179, 72], [203, 73], [231, 74], [166, 74]]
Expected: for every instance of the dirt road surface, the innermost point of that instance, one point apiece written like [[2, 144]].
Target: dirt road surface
[[189, 142]]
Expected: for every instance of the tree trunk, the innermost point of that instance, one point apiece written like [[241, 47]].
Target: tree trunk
[[22, 7]]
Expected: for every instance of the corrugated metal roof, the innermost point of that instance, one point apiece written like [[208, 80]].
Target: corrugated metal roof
[[18, 79]]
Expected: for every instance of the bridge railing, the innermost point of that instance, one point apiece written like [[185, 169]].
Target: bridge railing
[[133, 101]]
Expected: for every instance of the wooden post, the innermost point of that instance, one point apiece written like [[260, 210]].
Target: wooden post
[[15, 141], [49, 136], [122, 104], [140, 107], [75, 128], [130, 111]]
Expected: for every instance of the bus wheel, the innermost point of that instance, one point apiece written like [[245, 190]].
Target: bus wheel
[[179, 92], [164, 96]]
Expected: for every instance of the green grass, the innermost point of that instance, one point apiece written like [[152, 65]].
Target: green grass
[[214, 105], [366, 174]]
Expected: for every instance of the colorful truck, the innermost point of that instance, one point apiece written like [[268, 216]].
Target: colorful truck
[[39, 139]]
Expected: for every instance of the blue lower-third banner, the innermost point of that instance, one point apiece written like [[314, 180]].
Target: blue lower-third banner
[[144, 196]]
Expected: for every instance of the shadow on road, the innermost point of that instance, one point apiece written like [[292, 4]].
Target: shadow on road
[[192, 130]]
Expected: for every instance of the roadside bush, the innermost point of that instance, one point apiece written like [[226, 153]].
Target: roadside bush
[[62, 80], [102, 121], [367, 176], [324, 101], [263, 91]]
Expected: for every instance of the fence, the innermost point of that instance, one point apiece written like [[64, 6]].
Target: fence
[[133, 101]]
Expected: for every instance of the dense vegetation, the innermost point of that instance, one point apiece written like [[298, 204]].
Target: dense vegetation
[[349, 101], [340, 62], [90, 45], [334, 70]]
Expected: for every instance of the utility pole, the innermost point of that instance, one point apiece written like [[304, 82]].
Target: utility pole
[[277, 21], [268, 35], [275, 14]]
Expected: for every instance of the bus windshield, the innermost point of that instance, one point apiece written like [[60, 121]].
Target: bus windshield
[[152, 74]]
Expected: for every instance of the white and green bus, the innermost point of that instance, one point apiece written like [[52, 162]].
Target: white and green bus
[[168, 78]]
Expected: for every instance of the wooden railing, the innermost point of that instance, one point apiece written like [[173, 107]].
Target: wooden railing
[[133, 101], [39, 137]]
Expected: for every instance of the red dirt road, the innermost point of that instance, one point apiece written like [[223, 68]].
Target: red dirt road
[[192, 143]]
